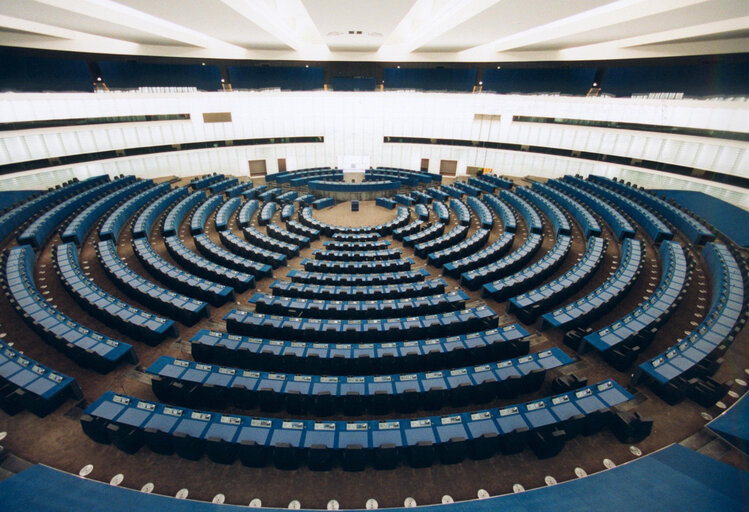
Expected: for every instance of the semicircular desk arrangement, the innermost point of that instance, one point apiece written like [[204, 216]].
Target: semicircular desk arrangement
[[462, 327]]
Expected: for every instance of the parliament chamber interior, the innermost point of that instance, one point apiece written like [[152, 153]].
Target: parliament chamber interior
[[252, 260]]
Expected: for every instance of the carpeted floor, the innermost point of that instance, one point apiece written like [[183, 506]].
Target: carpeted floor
[[58, 440]]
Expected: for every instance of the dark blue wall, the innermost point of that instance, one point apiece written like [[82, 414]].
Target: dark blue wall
[[288, 78], [709, 79], [36, 74], [535, 80], [438, 79], [340, 83], [131, 75]]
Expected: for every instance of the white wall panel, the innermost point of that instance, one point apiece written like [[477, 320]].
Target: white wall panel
[[355, 123]]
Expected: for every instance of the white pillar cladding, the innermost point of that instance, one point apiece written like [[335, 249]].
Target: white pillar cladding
[[355, 123]]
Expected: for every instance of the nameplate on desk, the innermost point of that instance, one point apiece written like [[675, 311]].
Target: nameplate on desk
[[535, 406], [583, 393], [389, 425], [121, 400], [451, 420], [294, 425], [324, 426], [302, 378], [277, 376], [508, 411], [504, 364], [203, 367], [230, 420], [481, 368], [201, 416], [433, 375], [146, 406], [328, 380], [171, 411], [558, 400], [603, 386], [421, 423], [227, 371], [477, 416]]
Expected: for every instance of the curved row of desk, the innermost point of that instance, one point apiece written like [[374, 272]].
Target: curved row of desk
[[253, 252], [461, 250], [214, 252], [491, 271], [545, 424], [619, 224], [362, 309], [488, 254], [144, 221], [115, 221], [357, 266], [28, 209], [448, 239], [85, 346], [131, 320], [384, 329], [373, 292], [207, 269], [82, 223], [695, 231], [205, 210], [177, 279], [478, 347], [529, 305], [408, 276], [585, 219], [174, 305], [289, 237], [653, 226], [27, 384], [179, 211], [603, 298], [501, 208], [559, 222], [201, 182], [225, 213], [696, 354], [516, 283], [40, 229], [620, 341], [203, 385]]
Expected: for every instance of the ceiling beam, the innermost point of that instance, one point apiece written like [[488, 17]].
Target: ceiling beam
[[427, 20], [613, 13], [113, 12], [68, 39], [286, 20]]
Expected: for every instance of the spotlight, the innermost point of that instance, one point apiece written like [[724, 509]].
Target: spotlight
[[595, 84], [98, 79]]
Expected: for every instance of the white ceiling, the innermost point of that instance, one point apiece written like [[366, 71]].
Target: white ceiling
[[381, 30]]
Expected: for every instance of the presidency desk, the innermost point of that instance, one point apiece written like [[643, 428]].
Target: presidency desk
[[545, 424], [204, 385], [360, 358]]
